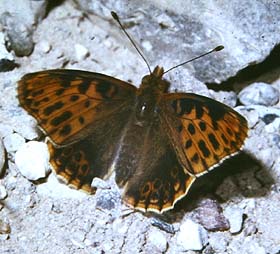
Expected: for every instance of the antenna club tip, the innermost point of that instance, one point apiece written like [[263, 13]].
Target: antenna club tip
[[114, 15], [220, 47]]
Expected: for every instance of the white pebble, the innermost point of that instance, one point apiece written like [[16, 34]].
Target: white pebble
[[3, 192], [99, 184], [192, 236], [44, 46], [259, 94], [13, 142], [81, 52], [32, 160], [157, 240], [235, 217]]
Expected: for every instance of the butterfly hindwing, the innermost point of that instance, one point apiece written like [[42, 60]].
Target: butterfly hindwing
[[66, 103], [203, 131]]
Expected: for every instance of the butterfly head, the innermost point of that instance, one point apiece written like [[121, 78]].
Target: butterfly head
[[154, 82]]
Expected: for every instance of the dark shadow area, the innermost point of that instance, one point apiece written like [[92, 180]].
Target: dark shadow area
[[53, 4], [241, 168], [266, 71]]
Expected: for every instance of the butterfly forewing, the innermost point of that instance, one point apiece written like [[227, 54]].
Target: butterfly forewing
[[203, 131], [66, 103]]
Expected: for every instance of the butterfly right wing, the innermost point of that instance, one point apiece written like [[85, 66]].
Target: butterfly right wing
[[67, 103], [204, 132]]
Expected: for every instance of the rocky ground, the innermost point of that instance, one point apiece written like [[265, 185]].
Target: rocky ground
[[233, 209]]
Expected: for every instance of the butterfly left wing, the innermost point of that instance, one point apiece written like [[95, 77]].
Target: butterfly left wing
[[204, 132], [66, 103]]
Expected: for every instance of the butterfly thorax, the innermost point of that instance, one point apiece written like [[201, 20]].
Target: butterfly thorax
[[149, 93]]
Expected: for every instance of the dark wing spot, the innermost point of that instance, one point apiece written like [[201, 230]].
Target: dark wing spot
[[38, 92], [106, 89], [213, 141], [50, 109], [188, 144], [199, 111], [66, 130], [87, 103], [229, 131], [224, 138], [203, 148], [81, 120], [65, 83], [61, 118], [202, 126], [191, 129], [83, 87], [59, 92], [195, 158], [74, 98]]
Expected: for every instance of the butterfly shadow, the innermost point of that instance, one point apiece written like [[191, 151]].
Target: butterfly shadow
[[241, 175]]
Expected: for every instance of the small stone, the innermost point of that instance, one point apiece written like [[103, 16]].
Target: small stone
[[259, 94], [162, 225], [209, 214], [3, 192], [13, 142], [147, 46], [4, 227], [44, 46], [157, 240], [235, 217], [32, 160], [107, 200], [99, 184], [192, 236], [19, 34], [81, 52], [2, 157]]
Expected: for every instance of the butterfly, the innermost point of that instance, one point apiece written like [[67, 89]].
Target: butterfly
[[156, 142]]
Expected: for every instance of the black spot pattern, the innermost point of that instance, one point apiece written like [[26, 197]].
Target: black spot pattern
[[195, 158], [188, 144], [66, 130], [50, 109], [74, 98], [191, 129], [203, 148], [202, 126], [61, 118], [213, 141], [83, 87]]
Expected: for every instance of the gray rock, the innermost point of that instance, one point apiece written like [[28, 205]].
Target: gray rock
[[250, 27], [191, 236], [19, 34], [18, 19], [259, 94], [13, 142], [32, 160], [210, 216]]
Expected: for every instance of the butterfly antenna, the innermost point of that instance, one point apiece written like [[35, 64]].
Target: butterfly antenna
[[221, 47], [116, 17]]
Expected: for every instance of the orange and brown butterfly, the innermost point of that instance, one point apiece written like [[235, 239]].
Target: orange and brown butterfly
[[156, 142]]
